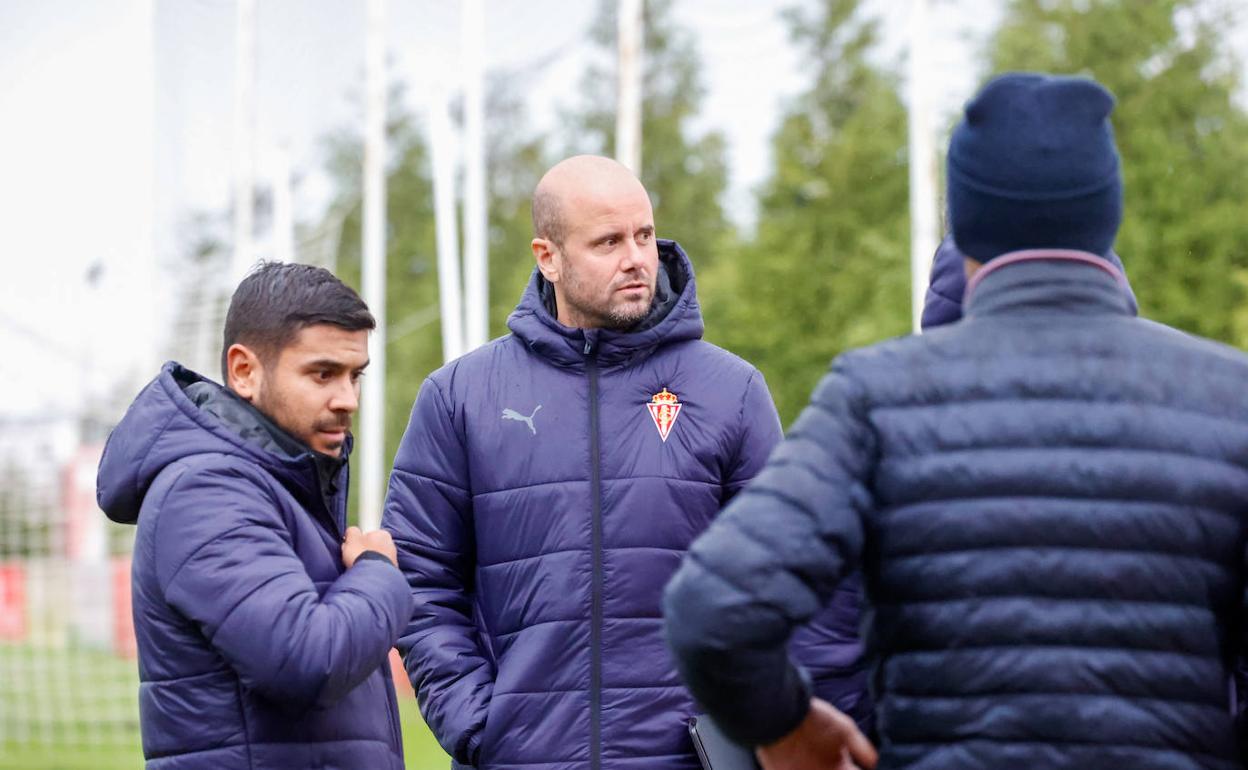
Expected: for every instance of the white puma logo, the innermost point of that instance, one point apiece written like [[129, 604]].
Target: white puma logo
[[512, 414]]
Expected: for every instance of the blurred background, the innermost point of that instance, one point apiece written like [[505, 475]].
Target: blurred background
[[152, 150]]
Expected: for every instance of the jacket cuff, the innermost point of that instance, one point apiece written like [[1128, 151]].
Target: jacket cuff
[[782, 713], [373, 556]]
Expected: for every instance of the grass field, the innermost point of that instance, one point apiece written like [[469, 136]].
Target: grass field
[[419, 747], [78, 710]]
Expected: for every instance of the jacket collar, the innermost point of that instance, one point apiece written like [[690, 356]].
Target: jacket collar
[[257, 428], [1048, 281], [673, 318], [181, 414]]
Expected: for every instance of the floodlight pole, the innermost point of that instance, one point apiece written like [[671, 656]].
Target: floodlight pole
[[283, 227], [244, 136], [476, 241], [631, 34], [923, 221], [442, 157], [373, 402]]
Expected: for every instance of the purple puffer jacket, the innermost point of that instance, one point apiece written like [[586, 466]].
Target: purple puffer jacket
[[257, 648], [539, 510]]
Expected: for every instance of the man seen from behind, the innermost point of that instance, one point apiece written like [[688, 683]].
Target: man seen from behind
[[1047, 500]]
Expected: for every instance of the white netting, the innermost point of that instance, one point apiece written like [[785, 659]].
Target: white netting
[[68, 679]]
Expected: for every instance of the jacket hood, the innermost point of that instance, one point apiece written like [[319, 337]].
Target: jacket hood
[[674, 317], [945, 290], [180, 414]]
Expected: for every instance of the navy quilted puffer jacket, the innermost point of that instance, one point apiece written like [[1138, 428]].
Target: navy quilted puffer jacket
[[1048, 505], [539, 510], [257, 647], [943, 302]]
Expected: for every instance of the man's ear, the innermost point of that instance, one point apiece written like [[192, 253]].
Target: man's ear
[[548, 258], [244, 372]]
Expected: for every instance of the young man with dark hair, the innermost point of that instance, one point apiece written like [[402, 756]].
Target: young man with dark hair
[[264, 624]]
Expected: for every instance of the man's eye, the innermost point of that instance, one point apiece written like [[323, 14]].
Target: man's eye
[[324, 375], [644, 237], [357, 376]]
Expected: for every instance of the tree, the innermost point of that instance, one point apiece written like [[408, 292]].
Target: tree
[[515, 161], [414, 342], [1182, 137], [829, 267], [685, 174]]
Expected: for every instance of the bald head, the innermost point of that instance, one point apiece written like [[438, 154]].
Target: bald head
[[594, 242], [578, 179]]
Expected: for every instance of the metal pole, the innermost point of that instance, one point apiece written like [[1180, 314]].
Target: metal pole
[[157, 314], [923, 222], [442, 157], [283, 217], [476, 241], [631, 34], [244, 139], [373, 403]]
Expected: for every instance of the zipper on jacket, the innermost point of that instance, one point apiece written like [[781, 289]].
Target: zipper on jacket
[[595, 628]]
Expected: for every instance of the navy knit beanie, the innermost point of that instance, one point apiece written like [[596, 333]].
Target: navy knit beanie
[[1033, 165]]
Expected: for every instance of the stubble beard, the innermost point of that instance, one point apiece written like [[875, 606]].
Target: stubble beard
[[618, 318], [272, 405]]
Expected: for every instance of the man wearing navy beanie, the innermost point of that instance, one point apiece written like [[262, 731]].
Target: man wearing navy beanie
[[1033, 165], [1047, 501]]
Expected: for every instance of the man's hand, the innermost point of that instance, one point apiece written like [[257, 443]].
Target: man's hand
[[357, 542], [825, 740]]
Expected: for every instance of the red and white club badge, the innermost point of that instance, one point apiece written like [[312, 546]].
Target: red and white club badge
[[664, 409]]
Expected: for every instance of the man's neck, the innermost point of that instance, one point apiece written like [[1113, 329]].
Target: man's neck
[[573, 320], [568, 316]]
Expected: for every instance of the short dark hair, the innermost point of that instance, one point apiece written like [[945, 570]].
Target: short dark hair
[[278, 299]]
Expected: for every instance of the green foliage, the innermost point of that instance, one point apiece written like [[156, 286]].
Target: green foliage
[[413, 344], [829, 267], [514, 162], [1183, 140], [685, 174]]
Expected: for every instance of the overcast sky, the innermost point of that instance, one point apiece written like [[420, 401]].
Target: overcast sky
[[117, 127]]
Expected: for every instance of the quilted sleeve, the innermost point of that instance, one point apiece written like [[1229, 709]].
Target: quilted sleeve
[[225, 561], [759, 434], [429, 513], [768, 564]]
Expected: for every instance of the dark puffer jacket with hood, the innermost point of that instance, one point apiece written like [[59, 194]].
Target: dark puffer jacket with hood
[[539, 510], [257, 648]]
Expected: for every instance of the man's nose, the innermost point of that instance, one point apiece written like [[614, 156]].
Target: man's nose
[[346, 397], [631, 257]]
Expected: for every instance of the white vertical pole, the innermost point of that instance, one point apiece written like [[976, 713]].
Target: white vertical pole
[[923, 222], [156, 312], [244, 139], [442, 156], [631, 34], [476, 240], [373, 403], [283, 217]]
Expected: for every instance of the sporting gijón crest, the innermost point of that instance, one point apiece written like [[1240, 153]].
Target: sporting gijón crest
[[664, 409]]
